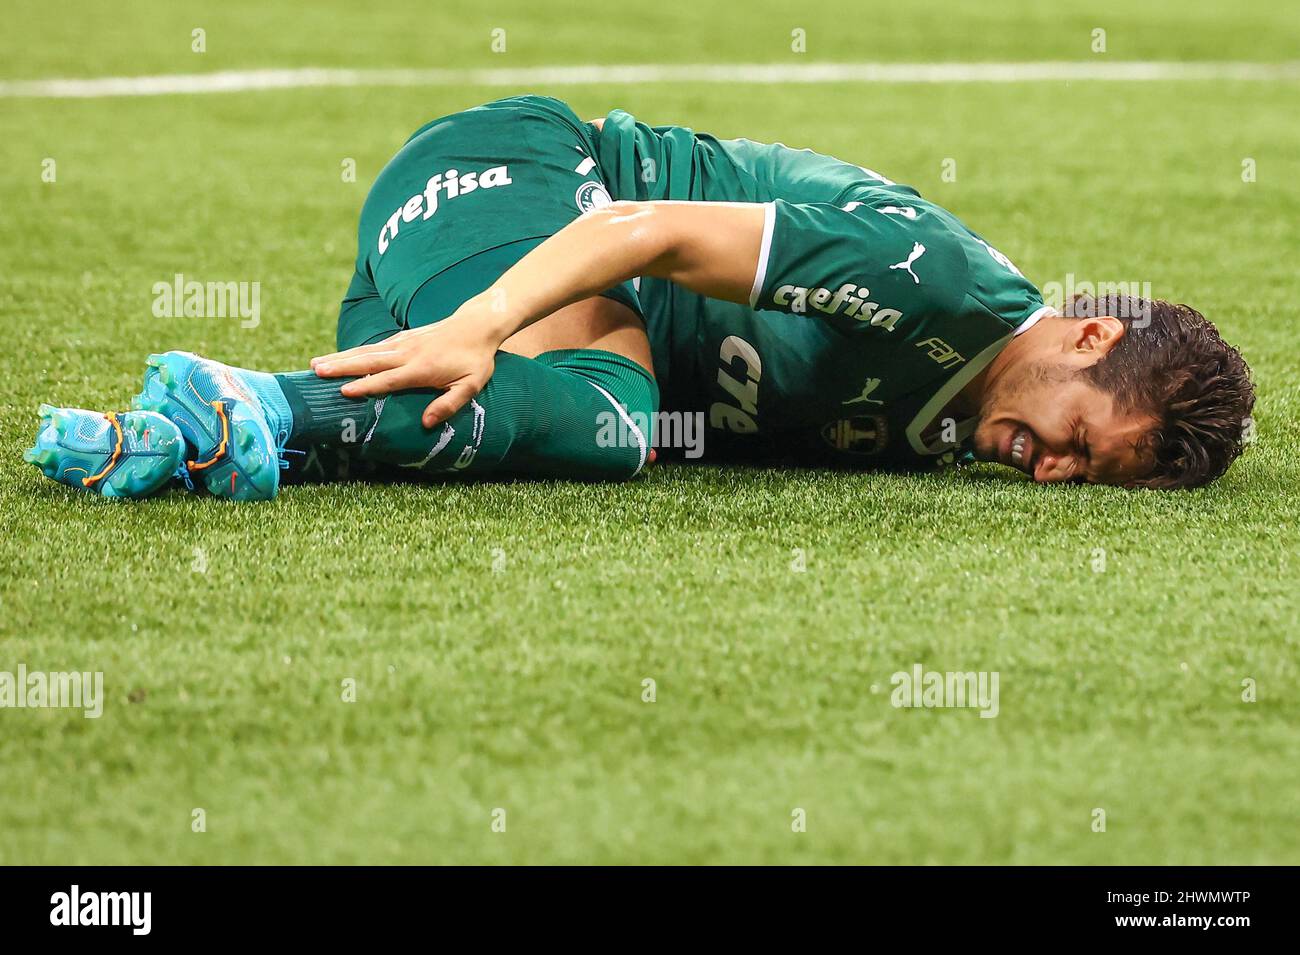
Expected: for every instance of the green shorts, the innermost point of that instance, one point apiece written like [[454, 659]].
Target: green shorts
[[465, 198]]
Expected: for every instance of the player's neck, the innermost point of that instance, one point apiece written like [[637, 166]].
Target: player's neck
[[970, 400], [967, 402]]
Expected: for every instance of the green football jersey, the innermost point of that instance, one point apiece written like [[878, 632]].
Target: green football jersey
[[870, 309]]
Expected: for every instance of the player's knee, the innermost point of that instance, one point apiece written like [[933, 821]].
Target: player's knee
[[577, 414], [625, 404]]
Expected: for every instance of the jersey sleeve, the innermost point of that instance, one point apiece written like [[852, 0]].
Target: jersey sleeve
[[878, 264]]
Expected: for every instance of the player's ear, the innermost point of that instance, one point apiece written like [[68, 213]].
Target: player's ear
[[1095, 335]]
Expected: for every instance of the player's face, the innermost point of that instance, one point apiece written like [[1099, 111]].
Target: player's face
[[1054, 425]]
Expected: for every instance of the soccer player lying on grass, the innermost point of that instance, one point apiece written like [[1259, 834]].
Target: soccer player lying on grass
[[811, 309]]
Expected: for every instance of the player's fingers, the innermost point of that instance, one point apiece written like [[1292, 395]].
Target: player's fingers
[[320, 359], [368, 363], [385, 345], [336, 355], [384, 383], [448, 403]]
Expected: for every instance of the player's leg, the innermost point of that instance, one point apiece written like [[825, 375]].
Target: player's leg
[[577, 413], [538, 416], [572, 398], [561, 401]]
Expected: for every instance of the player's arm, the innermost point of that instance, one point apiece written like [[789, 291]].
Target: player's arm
[[710, 248]]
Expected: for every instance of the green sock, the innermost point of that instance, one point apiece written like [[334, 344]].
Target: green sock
[[322, 415], [582, 414]]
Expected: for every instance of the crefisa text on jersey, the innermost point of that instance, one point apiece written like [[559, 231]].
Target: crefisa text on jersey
[[424, 204], [798, 299]]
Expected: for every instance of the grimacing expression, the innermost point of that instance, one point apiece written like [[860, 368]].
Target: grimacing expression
[[1049, 421]]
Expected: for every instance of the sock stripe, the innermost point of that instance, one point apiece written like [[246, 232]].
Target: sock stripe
[[640, 438], [320, 408]]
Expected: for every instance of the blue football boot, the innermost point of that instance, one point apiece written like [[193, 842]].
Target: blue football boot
[[235, 439], [119, 454]]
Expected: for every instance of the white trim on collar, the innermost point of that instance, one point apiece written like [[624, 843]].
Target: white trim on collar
[[1032, 320], [945, 394]]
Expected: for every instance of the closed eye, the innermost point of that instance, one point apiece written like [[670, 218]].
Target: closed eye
[[1083, 453]]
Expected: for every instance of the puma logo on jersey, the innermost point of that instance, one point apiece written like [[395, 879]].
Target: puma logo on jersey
[[851, 299], [918, 250], [424, 204], [871, 385], [907, 212]]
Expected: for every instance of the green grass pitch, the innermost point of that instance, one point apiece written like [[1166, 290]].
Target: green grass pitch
[[499, 635]]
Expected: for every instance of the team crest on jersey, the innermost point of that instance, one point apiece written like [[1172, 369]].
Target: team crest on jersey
[[860, 434], [591, 195]]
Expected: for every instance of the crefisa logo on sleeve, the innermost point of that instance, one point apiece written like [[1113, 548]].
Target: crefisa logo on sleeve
[[75, 907]]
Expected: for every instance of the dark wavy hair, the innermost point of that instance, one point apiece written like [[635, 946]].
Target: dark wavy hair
[[1173, 365]]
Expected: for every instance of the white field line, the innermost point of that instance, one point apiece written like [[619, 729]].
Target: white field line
[[233, 81]]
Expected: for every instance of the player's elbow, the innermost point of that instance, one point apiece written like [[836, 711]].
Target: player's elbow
[[641, 228]]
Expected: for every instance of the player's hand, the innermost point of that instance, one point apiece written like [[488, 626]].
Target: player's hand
[[457, 355]]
